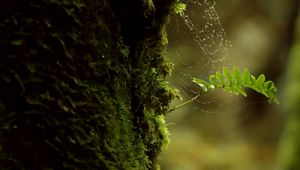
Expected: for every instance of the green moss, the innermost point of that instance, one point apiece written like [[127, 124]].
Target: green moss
[[150, 8], [179, 8], [83, 84], [163, 130]]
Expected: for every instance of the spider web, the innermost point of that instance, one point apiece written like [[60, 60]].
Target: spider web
[[198, 48]]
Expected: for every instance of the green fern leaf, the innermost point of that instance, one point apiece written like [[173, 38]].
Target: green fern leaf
[[202, 83], [228, 76], [235, 82], [212, 80], [246, 77], [220, 80], [237, 76]]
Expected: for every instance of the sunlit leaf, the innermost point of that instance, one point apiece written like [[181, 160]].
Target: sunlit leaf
[[237, 76], [235, 82], [246, 77], [202, 83], [220, 79], [228, 76]]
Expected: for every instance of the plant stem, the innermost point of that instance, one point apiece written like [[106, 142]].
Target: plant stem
[[185, 103]]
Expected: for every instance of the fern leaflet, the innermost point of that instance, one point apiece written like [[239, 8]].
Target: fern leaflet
[[235, 82]]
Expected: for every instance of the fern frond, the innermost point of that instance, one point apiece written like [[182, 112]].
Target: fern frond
[[235, 82]]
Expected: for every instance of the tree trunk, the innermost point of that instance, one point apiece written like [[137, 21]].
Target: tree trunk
[[82, 83]]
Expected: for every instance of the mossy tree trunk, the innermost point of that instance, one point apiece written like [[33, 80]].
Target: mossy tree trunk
[[82, 83]]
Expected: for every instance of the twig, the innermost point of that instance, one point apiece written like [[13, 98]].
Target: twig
[[185, 103]]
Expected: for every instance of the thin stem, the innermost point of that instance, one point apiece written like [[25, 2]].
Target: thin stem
[[185, 103]]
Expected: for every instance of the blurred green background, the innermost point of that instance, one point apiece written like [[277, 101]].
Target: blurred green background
[[221, 131]]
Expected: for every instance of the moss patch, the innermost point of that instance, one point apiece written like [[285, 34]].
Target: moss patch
[[83, 84]]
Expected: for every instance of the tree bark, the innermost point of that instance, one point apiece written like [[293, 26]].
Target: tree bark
[[82, 83]]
